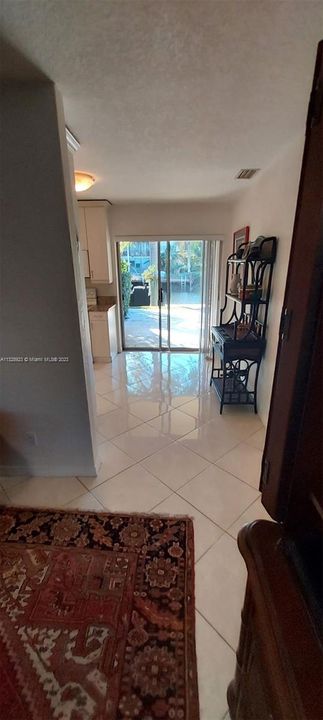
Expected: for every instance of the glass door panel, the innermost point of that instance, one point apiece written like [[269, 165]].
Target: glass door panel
[[139, 288], [185, 293], [164, 294], [162, 291]]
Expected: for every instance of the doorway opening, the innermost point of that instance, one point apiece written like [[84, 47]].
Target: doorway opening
[[165, 290]]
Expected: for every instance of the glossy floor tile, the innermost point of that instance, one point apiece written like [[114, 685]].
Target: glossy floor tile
[[85, 502], [204, 407], [178, 399], [103, 405], [122, 396], [148, 409], [45, 491], [244, 461], [257, 440], [215, 664], [175, 465], [134, 490], [106, 384], [9, 481], [164, 448], [116, 422], [174, 424], [113, 461], [141, 441], [4, 498], [256, 511], [211, 440], [219, 495], [220, 586]]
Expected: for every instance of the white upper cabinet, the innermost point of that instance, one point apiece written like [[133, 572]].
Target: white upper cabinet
[[85, 263], [82, 228], [95, 239], [98, 244]]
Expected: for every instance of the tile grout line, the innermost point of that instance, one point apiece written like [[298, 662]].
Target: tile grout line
[[207, 516], [215, 630], [143, 422], [80, 496], [194, 508], [6, 494], [125, 470], [224, 532], [238, 478], [175, 492], [239, 516]]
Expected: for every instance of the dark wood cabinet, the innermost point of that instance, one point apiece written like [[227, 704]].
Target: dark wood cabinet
[[279, 671], [279, 658]]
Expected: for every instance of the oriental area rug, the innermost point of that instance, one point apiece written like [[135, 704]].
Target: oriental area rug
[[96, 616]]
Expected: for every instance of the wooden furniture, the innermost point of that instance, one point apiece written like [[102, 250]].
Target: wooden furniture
[[139, 296], [279, 658], [95, 240], [239, 340], [103, 332], [279, 667]]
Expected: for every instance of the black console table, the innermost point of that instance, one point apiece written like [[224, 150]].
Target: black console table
[[240, 341]]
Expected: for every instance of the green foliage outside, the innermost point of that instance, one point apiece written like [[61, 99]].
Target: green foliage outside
[[185, 256], [125, 286], [150, 273]]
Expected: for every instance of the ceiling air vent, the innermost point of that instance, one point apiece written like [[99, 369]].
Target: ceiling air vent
[[246, 174]]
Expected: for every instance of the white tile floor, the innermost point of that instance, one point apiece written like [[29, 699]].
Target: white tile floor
[[165, 448]]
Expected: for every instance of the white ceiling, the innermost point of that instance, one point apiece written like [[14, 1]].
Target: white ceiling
[[170, 98]]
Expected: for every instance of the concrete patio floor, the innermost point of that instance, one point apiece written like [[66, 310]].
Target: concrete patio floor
[[141, 328]]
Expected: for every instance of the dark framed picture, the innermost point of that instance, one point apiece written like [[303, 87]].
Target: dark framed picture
[[240, 236]]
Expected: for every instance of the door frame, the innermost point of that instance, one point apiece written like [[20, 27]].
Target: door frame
[[285, 475], [160, 238]]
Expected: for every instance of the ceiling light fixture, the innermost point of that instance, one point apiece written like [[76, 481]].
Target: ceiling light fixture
[[83, 181]]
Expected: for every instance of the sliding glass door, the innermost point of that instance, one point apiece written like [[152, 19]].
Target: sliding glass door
[[185, 293], [162, 286], [139, 285]]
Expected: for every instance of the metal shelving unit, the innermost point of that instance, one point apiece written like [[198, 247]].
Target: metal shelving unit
[[240, 339]]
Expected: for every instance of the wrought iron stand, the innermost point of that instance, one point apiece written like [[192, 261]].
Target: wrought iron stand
[[240, 342]]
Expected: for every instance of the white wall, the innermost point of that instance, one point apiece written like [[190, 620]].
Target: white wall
[[194, 218], [179, 218], [40, 314], [268, 206]]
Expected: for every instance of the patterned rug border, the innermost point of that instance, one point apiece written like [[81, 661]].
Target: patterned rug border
[[46, 508], [194, 713]]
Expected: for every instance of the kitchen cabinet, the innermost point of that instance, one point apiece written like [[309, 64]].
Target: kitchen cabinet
[[103, 335], [85, 263], [82, 228], [95, 240]]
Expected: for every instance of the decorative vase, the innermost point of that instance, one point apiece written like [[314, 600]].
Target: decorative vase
[[234, 284]]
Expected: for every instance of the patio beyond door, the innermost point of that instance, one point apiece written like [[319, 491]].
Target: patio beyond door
[[162, 288]]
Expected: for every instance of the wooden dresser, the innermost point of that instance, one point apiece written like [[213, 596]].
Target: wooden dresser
[[279, 658]]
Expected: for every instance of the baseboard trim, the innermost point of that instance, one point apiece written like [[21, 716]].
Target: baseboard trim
[[45, 471]]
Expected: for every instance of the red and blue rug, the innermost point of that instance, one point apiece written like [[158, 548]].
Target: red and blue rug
[[96, 616]]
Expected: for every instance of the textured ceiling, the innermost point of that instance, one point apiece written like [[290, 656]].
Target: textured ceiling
[[170, 98]]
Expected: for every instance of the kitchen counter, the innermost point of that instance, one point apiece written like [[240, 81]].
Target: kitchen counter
[[104, 304], [102, 307]]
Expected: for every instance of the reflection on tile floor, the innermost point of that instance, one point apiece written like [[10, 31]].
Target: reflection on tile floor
[[165, 448]]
